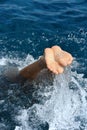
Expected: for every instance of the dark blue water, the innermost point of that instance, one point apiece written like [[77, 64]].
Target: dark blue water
[[29, 26]]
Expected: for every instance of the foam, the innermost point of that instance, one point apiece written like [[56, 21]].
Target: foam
[[19, 62], [3, 61], [65, 109]]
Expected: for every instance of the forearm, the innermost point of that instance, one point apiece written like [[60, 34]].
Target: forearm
[[32, 70]]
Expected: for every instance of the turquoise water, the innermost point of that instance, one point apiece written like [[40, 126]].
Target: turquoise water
[[26, 28]]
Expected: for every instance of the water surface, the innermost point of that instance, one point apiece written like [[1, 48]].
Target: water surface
[[26, 28]]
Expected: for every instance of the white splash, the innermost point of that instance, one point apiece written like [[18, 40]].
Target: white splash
[[23, 119], [3, 61], [67, 107]]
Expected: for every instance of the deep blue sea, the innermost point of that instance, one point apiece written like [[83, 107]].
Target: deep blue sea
[[26, 28]]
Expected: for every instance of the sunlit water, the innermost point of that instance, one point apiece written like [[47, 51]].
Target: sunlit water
[[50, 102]]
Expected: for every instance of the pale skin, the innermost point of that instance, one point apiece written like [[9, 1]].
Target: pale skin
[[55, 59], [59, 59]]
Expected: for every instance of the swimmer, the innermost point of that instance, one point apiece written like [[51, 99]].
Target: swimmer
[[54, 59]]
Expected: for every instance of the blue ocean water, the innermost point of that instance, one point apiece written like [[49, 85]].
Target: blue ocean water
[[26, 28]]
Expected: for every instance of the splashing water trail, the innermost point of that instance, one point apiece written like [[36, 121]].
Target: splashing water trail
[[63, 104], [50, 102]]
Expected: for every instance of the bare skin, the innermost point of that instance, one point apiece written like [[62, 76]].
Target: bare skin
[[57, 59], [62, 57], [52, 64], [54, 59]]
